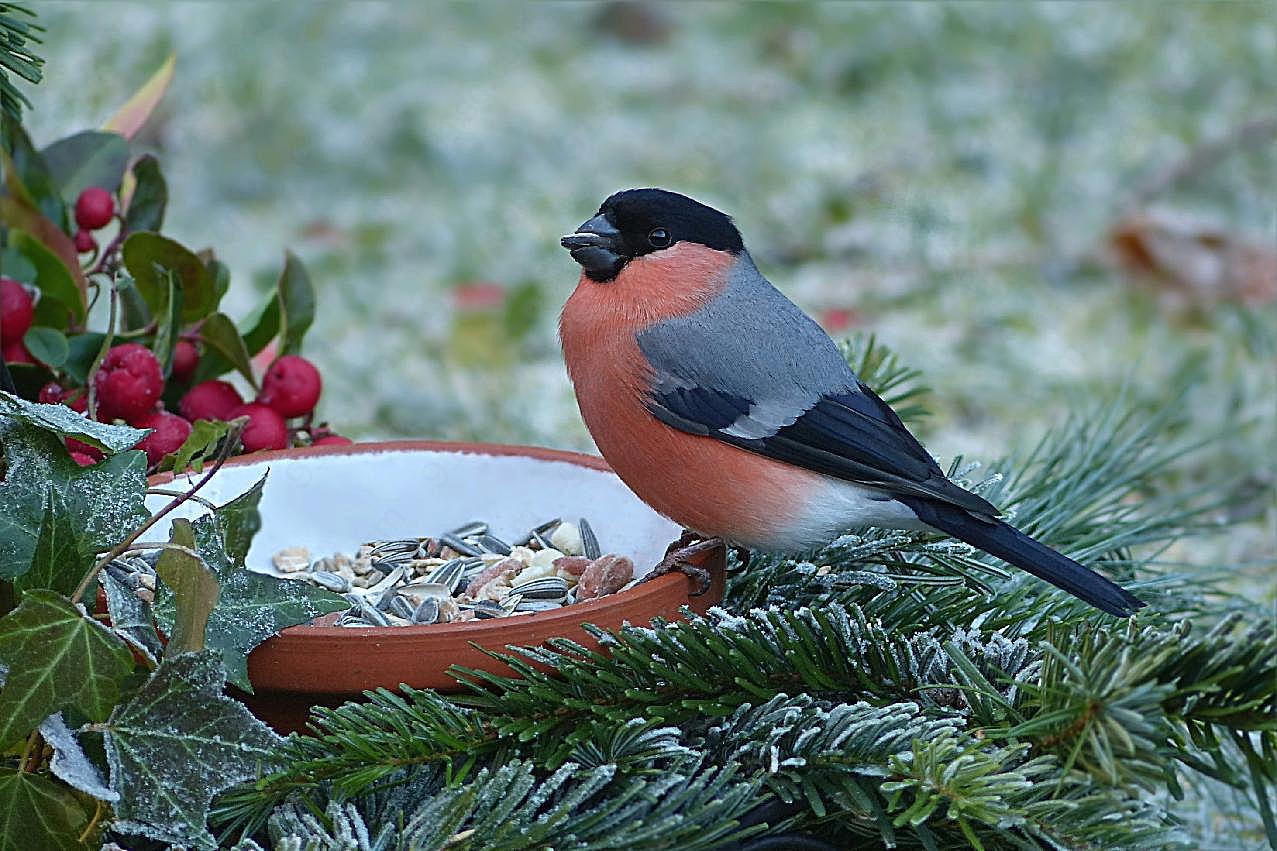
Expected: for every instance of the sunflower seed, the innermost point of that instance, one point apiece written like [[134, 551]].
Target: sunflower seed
[[427, 612], [459, 546], [370, 615], [545, 588], [538, 605], [493, 544], [331, 581], [485, 609], [589, 543], [400, 607], [466, 530], [449, 574]]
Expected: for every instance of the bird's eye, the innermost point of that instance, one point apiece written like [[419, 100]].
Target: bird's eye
[[659, 238]]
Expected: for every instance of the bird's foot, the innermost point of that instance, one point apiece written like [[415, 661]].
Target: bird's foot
[[678, 559]]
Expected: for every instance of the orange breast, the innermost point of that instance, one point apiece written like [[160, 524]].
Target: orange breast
[[697, 481]]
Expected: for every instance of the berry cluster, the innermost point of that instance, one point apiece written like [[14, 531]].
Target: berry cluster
[[129, 384]]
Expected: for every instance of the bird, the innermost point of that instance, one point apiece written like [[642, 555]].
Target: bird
[[726, 408]]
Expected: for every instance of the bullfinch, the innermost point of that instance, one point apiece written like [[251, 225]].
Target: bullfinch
[[729, 410]]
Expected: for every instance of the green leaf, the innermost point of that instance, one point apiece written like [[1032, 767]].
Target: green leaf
[[104, 501], [54, 277], [135, 314], [58, 562], [170, 325], [16, 266], [81, 350], [239, 520], [194, 590], [128, 120], [252, 606], [150, 197], [47, 345], [178, 743], [62, 420], [27, 176], [131, 617], [221, 337], [263, 328], [38, 814], [58, 658], [70, 763], [149, 257], [199, 446], [88, 158], [297, 303]]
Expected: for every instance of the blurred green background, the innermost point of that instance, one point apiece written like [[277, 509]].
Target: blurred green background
[[947, 176]]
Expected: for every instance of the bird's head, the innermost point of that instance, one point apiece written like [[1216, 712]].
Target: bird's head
[[640, 222]]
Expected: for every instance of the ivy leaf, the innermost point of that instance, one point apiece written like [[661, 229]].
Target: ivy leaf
[[58, 562], [37, 814], [70, 763], [150, 196], [58, 657], [103, 501], [149, 258], [239, 520], [47, 345], [64, 421], [131, 617], [252, 606], [194, 590], [221, 338], [178, 743], [199, 446], [88, 158], [297, 303]]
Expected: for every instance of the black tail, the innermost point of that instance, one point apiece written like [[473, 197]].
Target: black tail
[[1010, 544]]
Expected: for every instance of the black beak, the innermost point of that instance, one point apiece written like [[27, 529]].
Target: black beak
[[597, 245]]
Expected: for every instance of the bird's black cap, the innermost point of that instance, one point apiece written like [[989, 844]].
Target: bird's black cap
[[636, 222]]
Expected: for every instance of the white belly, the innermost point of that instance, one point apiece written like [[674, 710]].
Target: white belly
[[843, 506]]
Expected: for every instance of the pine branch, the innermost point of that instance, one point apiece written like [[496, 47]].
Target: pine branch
[[17, 32], [516, 807]]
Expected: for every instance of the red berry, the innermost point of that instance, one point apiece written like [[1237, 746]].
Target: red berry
[[80, 403], [84, 242], [266, 428], [16, 310], [83, 460], [76, 447], [185, 358], [210, 400], [128, 383], [332, 440], [15, 351], [51, 393], [170, 432], [291, 386], [94, 208]]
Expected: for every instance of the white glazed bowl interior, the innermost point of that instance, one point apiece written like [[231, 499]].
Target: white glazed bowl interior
[[332, 503]]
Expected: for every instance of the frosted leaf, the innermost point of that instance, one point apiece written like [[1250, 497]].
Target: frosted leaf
[[177, 743], [251, 606], [70, 764], [62, 420], [103, 502], [131, 617]]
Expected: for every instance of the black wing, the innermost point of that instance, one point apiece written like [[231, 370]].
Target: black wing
[[851, 435]]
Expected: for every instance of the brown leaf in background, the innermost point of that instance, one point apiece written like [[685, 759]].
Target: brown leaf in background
[[1192, 262]]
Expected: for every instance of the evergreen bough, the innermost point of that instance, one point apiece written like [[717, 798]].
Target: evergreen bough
[[891, 689]]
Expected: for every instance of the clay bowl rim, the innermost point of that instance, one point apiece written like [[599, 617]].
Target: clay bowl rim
[[575, 615]]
